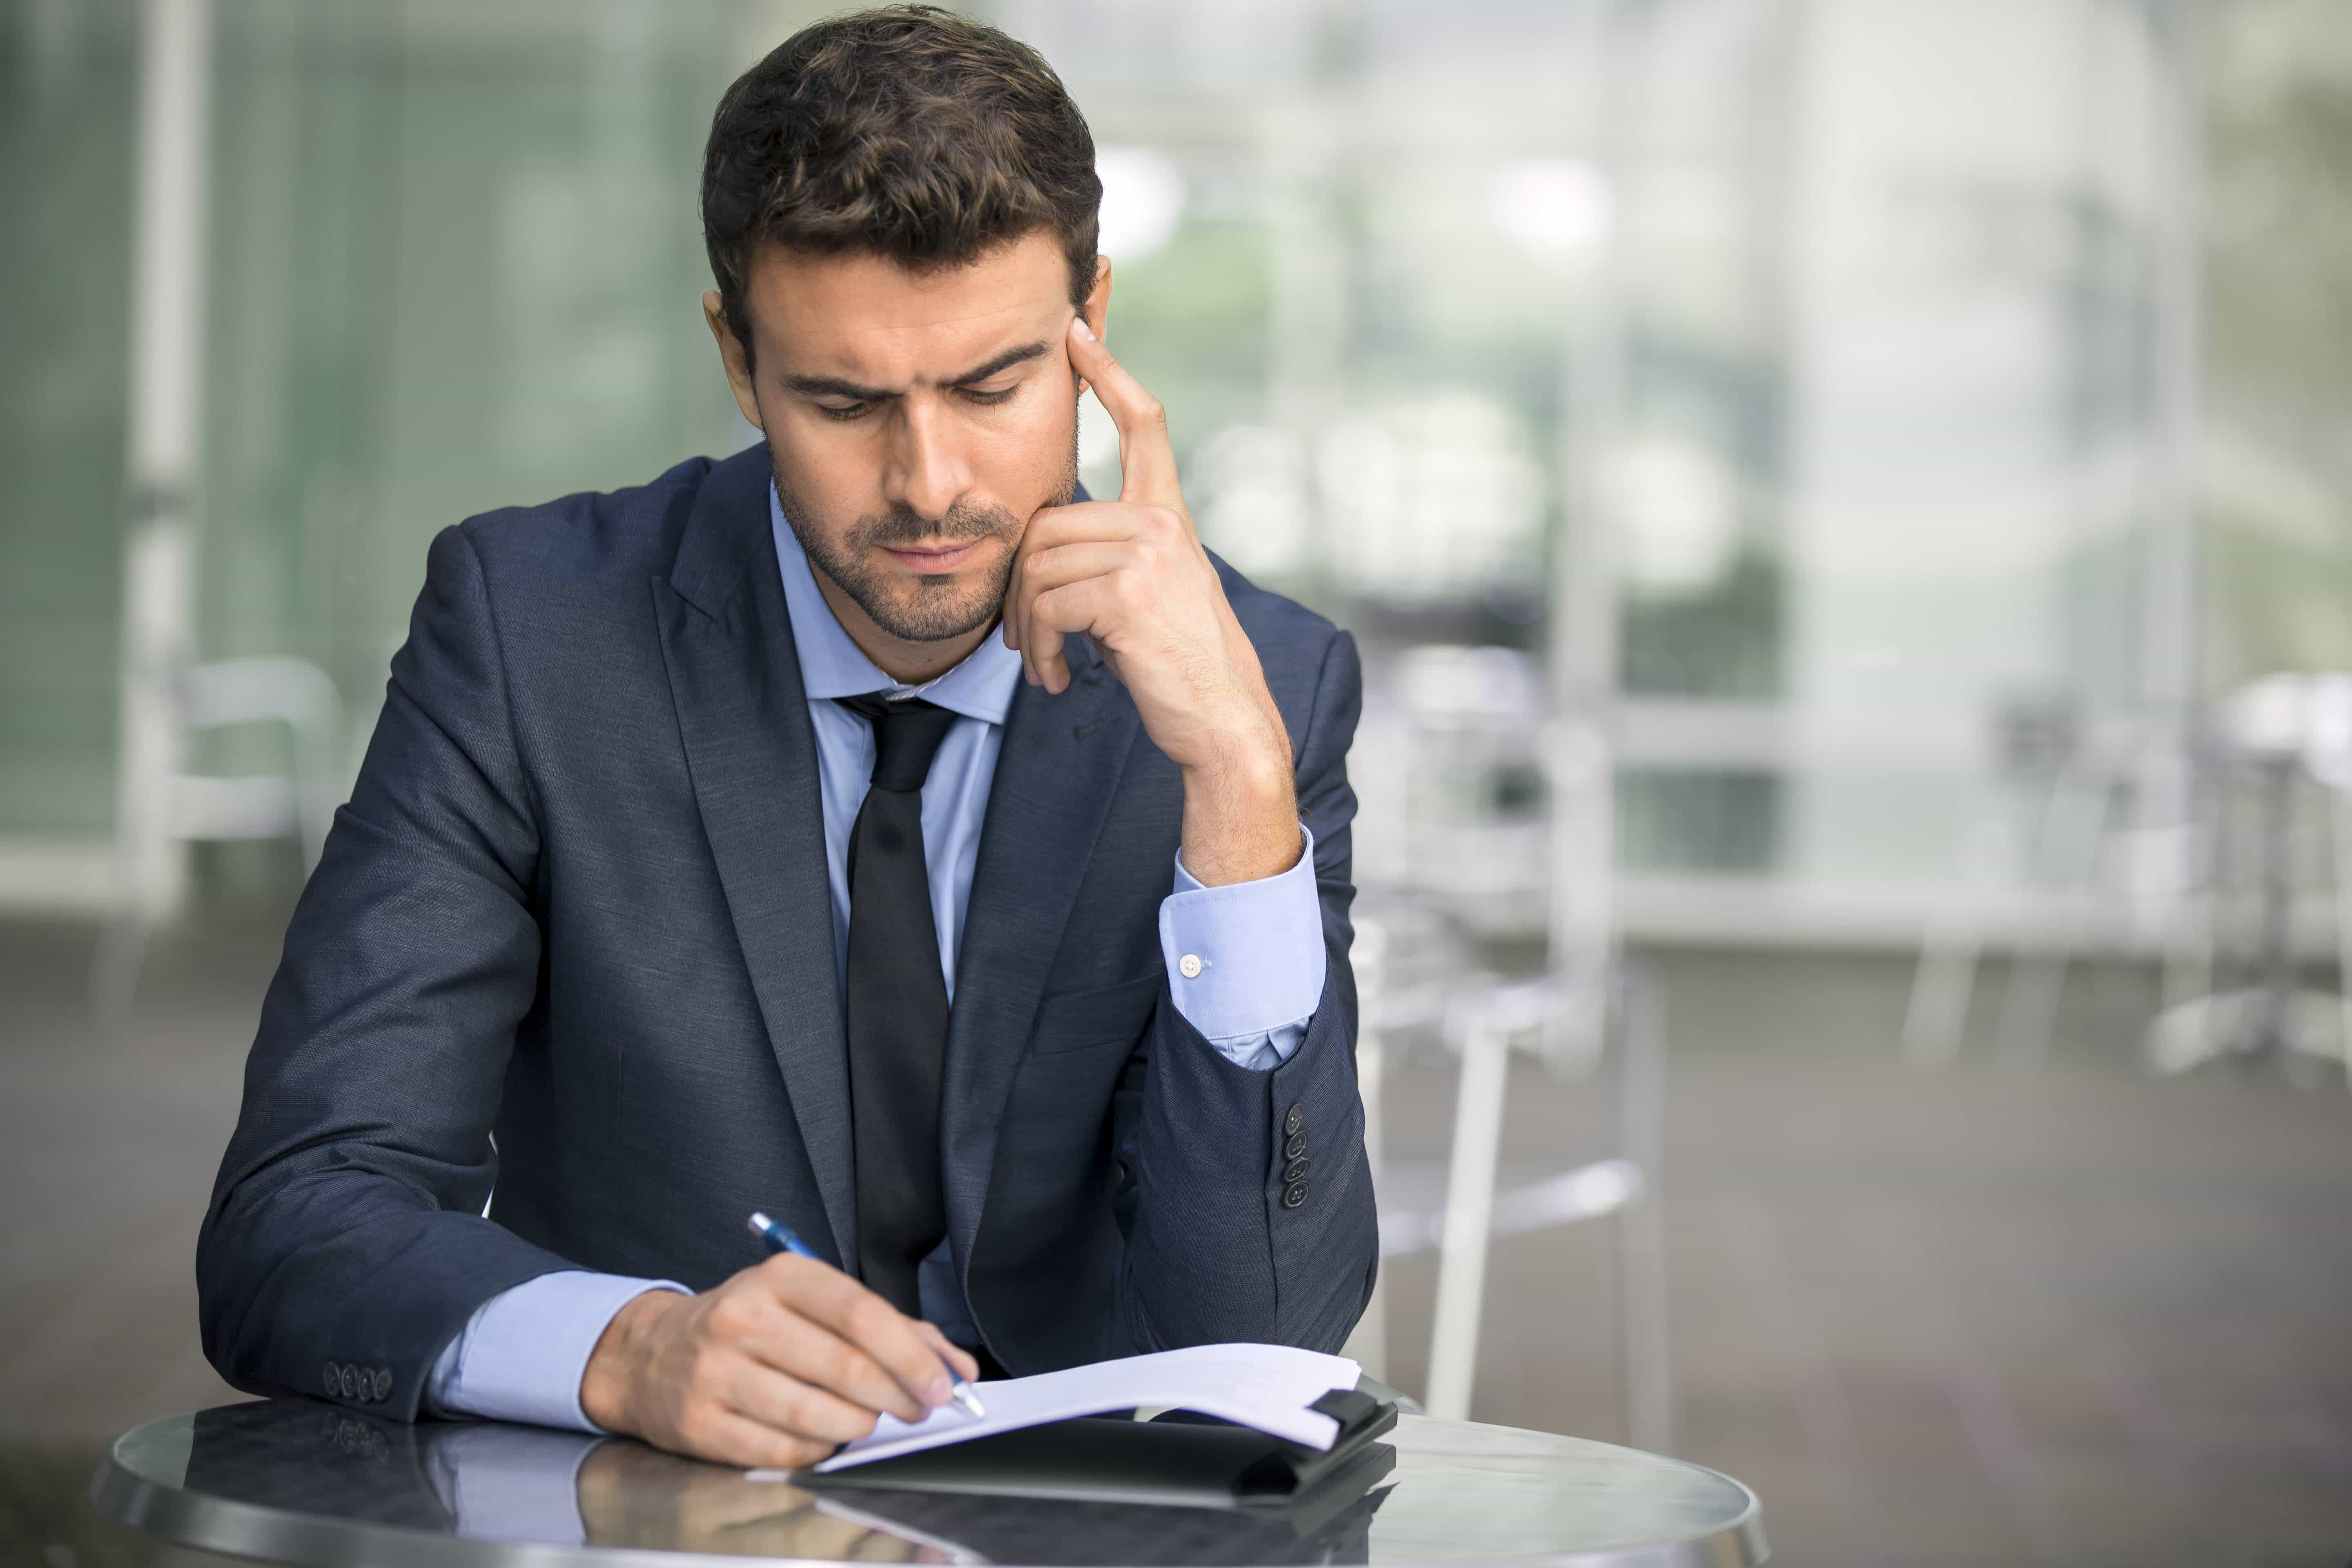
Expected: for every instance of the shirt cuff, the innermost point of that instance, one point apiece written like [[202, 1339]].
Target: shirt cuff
[[522, 1354], [1246, 960]]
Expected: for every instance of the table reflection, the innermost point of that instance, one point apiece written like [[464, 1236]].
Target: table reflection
[[490, 1482], [631, 1495]]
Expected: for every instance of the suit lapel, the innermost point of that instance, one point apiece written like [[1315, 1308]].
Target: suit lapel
[[1061, 761], [743, 716]]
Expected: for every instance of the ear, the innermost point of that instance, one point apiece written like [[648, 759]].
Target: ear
[[1096, 309], [732, 358]]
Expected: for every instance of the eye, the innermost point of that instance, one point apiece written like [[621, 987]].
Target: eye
[[844, 412], [989, 399]]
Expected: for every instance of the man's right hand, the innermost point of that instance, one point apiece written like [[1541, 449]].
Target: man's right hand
[[775, 1368]]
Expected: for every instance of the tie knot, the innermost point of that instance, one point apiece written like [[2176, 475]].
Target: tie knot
[[907, 735]]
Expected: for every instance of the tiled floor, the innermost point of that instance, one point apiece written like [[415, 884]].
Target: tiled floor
[[2071, 1317]]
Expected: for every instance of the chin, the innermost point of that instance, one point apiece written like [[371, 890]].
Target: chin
[[933, 608]]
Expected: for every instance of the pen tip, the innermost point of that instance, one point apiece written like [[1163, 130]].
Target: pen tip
[[760, 1222], [969, 1400]]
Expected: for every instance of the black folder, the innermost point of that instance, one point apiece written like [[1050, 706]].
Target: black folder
[[1330, 1522], [1177, 1458]]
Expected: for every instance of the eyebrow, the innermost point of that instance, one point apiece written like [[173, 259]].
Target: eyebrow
[[834, 386]]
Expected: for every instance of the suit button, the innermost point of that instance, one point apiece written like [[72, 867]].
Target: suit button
[[335, 1380], [1296, 1147], [347, 1383], [1295, 1120], [1190, 966], [382, 1384], [1294, 1170], [1294, 1195]]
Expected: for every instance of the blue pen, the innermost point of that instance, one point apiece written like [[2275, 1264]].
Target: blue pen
[[780, 1238]]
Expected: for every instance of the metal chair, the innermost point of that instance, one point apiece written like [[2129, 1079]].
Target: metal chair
[[1406, 956], [1474, 795], [176, 807], [1486, 1019], [2277, 735], [2065, 779]]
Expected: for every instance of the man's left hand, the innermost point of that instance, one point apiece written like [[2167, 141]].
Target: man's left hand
[[1132, 577]]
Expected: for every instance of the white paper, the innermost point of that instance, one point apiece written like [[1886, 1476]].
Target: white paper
[[1266, 1386]]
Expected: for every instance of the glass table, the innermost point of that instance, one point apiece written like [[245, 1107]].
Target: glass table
[[303, 1482]]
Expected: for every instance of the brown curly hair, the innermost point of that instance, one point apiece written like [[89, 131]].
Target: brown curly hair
[[908, 133]]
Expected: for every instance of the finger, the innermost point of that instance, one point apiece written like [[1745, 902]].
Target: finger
[[1080, 520], [728, 1438], [813, 1353], [758, 1392], [1049, 666], [962, 1359], [1042, 528], [780, 1329], [1146, 464], [1059, 567], [832, 1299], [1017, 634], [1056, 613], [759, 1323], [1067, 564], [1143, 527], [1050, 529], [1015, 630]]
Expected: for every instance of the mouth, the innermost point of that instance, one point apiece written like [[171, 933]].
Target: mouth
[[932, 560]]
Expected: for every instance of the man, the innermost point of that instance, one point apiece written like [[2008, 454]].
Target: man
[[869, 829]]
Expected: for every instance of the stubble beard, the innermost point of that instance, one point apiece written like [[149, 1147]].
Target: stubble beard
[[935, 608]]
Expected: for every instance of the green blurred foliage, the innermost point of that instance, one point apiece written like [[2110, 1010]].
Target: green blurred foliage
[[1724, 644], [1189, 321], [2278, 334], [65, 76]]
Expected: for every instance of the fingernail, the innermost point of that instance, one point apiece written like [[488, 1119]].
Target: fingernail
[[939, 1393], [1078, 324]]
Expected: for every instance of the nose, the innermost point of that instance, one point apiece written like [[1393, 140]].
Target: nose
[[927, 469]]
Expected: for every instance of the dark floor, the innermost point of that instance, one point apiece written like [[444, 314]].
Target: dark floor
[[2073, 1316]]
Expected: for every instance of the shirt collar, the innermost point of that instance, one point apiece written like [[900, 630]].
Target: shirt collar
[[981, 686]]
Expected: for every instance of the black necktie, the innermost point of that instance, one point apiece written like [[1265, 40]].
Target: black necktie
[[898, 1005]]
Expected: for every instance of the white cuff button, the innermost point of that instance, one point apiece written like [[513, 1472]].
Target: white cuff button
[[1190, 966]]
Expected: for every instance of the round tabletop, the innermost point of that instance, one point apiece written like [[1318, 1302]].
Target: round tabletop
[[303, 1482]]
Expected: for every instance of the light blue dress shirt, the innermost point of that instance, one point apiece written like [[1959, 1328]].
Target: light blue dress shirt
[[1252, 994]]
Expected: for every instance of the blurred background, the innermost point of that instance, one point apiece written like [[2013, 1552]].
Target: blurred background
[[1847, 507]]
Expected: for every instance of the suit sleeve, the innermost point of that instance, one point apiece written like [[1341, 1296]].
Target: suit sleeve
[[345, 1245], [1251, 1214]]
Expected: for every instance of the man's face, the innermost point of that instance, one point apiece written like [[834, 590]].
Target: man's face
[[915, 422]]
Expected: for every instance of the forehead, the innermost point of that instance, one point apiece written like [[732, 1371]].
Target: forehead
[[865, 318]]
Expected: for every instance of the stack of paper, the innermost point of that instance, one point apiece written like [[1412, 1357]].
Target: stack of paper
[[1268, 1387]]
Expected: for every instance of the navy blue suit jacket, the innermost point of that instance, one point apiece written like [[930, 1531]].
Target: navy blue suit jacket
[[569, 950]]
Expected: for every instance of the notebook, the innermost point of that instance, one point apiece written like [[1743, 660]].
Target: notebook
[[1239, 1425], [1272, 1388]]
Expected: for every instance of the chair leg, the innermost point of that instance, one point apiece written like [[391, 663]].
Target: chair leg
[[2186, 1031], [132, 907], [1937, 1018], [1469, 1215], [114, 970], [1644, 1348], [2069, 838], [2342, 817], [1951, 948]]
